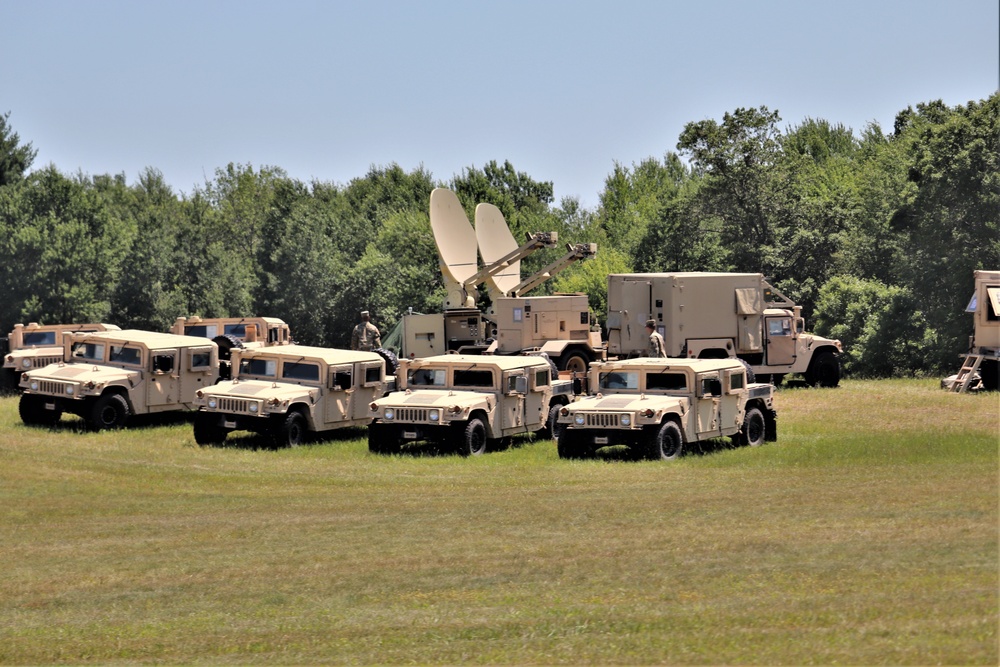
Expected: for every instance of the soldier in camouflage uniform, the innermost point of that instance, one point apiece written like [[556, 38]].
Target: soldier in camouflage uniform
[[365, 336], [656, 345]]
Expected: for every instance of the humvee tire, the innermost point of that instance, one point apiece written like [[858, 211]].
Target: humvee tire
[[668, 443], [568, 446], [33, 412], [824, 371], [207, 430], [290, 431], [109, 412], [754, 430], [383, 439], [473, 442]]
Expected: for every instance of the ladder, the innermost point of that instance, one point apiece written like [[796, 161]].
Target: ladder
[[966, 373]]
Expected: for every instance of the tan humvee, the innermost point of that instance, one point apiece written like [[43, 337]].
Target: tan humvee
[[106, 377], [658, 405], [718, 316], [287, 392], [466, 401], [234, 332], [37, 345], [981, 368]]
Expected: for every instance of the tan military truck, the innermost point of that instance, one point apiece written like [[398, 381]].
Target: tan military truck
[[36, 345], [106, 377], [288, 392], [231, 333], [719, 316], [657, 406], [467, 402], [982, 362]]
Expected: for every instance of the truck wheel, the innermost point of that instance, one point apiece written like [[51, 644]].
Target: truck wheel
[[291, 431], [753, 431], [751, 376], [553, 428], [668, 443], [824, 371], [390, 359], [110, 411], [383, 439], [33, 412], [207, 430], [568, 445], [988, 373], [575, 361], [473, 438]]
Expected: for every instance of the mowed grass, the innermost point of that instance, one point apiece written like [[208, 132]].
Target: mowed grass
[[868, 534]]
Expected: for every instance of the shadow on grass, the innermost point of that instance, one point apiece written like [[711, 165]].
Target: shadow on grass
[[617, 453], [69, 423], [252, 441]]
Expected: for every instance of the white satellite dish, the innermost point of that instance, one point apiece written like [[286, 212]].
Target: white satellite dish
[[496, 242], [456, 244]]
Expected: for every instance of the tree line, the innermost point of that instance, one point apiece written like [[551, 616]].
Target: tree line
[[876, 235]]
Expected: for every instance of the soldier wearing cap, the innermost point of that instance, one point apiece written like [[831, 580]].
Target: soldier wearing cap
[[656, 346], [365, 335]]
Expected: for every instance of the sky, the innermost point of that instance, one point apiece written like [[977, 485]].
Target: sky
[[564, 90]]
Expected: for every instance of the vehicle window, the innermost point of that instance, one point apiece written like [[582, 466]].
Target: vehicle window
[[39, 338], [779, 327], [737, 381], [203, 330], [125, 354], [373, 374], [201, 359], [542, 378], [238, 330], [296, 370], [710, 386], [163, 363], [267, 368], [88, 351], [428, 377], [620, 380], [666, 381], [342, 380], [474, 378]]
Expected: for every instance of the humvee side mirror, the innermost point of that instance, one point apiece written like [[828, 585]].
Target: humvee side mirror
[[521, 384]]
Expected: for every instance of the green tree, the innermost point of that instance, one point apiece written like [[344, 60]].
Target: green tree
[[15, 158]]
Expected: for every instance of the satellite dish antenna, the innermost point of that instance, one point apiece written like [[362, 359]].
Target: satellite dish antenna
[[496, 242], [456, 244]]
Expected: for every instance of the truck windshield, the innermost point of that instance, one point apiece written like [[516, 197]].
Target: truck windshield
[[295, 370], [88, 351], [266, 368], [620, 380], [666, 382], [125, 354], [483, 378], [428, 377], [202, 330], [39, 338]]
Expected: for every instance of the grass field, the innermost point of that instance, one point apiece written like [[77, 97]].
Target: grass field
[[868, 534]]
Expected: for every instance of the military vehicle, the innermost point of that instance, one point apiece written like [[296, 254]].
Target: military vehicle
[[288, 392], [657, 406], [981, 363], [558, 325], [467, 402], [719, 316], [36, 345], [107, 377], [234, 333]]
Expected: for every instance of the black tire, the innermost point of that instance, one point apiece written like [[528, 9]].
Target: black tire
[[824, 371], [207, 430], [988, 374], [226, 343], [473, 441], [33, 412], [751, 376], [109, 412], [552, 428], [568, 445], [668, 444], [383, 439], [754, 429], [574, 360], [291, 431], [390, 359]]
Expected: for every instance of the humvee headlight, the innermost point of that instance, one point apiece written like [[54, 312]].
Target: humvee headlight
[[25, 363], [34, 385], [253, 407], [626, 420], [213, 403], [435, 415], [389, 413], [69, 390], [579, 419]]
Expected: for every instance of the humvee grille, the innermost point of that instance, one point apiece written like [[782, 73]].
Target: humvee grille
[[602, 419], [233, 405], [411, 414], [41, 362], [49, 387]]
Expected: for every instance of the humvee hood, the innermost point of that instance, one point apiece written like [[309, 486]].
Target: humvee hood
[[632, 402], [258, 389], [431, 397], [84, 372]]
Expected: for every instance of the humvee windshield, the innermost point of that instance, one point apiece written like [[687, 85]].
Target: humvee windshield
[[666, 381], [619, 380], [429, 377], [238, 330], [478, 378], [203, 330], [88, 351], [125, 354], [265, 368], [39, 338], [296, 370]]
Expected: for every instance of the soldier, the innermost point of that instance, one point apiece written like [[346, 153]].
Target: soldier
[[365, 335], [656, 346]]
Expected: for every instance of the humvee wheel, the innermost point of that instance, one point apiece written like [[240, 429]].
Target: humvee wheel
[[33, 412], [576, 362], [291, 431], [568, 445], [383, 439], [668, 443], [473, 441], [207, 430], [110, 411], [553, 429], [824, 371], [753, 430]]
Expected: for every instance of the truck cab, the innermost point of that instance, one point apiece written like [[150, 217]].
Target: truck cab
[[35, 345]]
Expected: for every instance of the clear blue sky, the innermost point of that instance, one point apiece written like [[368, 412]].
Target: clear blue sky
[[562, 89]]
